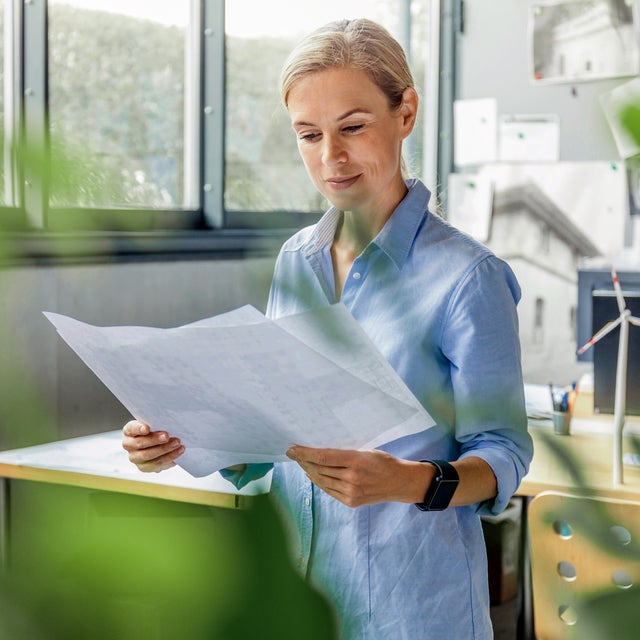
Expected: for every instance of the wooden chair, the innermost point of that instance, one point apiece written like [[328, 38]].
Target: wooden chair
[[581, 548]]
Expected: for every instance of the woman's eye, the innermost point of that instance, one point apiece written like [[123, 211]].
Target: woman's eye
[[353, 128], [308, 137]]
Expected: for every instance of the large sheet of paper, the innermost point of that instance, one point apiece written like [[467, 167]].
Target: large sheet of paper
[[240, 388]]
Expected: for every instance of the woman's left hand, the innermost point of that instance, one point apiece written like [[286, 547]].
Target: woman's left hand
[[357, 478]]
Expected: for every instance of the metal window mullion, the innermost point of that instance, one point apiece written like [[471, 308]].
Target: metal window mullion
[[212, 113], [33, 147], [192, 108], [450, 17], [12, 97], [431, 141]]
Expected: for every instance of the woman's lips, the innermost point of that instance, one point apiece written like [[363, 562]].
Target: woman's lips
[[342, 182]]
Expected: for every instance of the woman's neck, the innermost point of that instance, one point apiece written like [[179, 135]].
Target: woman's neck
[[357, 228], [354, 232]]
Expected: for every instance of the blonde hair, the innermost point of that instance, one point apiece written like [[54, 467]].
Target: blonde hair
[[359, 44]]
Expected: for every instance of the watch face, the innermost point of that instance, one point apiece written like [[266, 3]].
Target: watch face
[[442, 487], [443, 494]]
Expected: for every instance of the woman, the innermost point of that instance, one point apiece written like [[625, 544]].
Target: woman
[[442, 309]]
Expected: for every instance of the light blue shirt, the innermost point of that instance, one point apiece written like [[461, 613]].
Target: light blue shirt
[[442, 309]]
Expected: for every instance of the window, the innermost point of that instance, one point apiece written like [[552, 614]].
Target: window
[[262, 169], [117, 104], [545, 239], [573, 323], [5, 194], [538, 322], [128, 115]]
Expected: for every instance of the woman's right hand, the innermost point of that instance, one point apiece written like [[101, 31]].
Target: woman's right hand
[[150, 450]]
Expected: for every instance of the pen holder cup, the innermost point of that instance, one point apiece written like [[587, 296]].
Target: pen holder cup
[[562, 423]]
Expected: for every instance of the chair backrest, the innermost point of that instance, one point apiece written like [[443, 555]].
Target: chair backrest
[[580, 547]]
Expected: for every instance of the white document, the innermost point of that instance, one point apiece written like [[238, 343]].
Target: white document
[[529, 138], [475, 131], [538, 401], [471, 204], [593, 195], [240, 388]]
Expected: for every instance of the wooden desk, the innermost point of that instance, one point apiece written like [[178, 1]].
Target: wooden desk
[[99, 462], [591, 446]]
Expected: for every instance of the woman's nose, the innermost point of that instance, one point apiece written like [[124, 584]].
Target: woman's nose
[[333, 152]]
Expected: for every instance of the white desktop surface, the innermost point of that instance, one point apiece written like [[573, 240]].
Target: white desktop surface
[[99, 461]]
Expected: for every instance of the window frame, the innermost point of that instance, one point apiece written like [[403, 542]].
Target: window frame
[[32, 230]]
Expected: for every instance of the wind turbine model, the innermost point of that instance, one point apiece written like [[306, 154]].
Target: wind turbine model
[[619, 408]]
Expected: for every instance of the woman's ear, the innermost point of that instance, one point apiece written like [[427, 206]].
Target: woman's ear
[[408, 110]]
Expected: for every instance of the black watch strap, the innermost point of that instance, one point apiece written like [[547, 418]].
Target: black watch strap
[[442, 487]]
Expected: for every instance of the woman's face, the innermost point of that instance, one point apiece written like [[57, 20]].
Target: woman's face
[[349, 139]]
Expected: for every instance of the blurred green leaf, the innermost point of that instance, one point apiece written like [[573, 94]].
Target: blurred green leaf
[[131, 568], [611, 615], [630, 118]]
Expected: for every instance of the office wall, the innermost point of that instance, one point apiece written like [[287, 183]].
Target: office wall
[[493, 62], [46, 391]]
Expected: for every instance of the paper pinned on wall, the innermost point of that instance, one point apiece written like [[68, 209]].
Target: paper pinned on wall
[[593, 195], [529, 138], [613, 103], [470, 204], [475, 131]]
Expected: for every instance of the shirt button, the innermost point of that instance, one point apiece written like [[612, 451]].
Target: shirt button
[[307, 501], [356, 275]]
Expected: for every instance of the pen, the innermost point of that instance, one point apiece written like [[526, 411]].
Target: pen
[[573, 394], [553, 400]]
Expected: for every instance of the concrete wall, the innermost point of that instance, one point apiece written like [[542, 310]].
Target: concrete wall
[[46, 391]]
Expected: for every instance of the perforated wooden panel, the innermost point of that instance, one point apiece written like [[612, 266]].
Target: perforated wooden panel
[[579, 547]]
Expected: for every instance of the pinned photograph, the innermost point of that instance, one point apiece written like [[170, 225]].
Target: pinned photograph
[[583, 40]]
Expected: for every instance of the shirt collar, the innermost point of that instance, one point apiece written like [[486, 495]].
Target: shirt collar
[[397, 235]]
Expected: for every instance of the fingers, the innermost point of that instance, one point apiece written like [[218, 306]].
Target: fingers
[[326, 465], [322, 457], [161, 463], [136, 428], [331, 470], [150, 451], [353, 477], [321, 465]]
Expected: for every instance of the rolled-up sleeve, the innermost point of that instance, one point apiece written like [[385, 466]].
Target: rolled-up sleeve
[[240, 478], [481, 341]]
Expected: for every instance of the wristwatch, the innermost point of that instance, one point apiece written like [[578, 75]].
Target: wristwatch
[[442, 487]]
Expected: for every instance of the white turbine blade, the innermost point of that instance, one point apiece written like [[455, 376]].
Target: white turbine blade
[[634, 320], [616, 285], [608, 328]]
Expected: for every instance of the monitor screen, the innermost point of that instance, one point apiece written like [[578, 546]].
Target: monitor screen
[[605, 353], [592, 279]]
